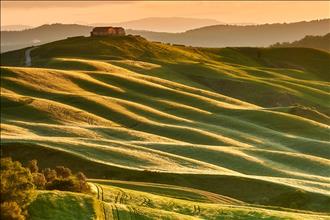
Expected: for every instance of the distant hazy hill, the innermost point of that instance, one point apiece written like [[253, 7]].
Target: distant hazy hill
[[11, 40], [211, 36], [317, 42], [249, 35], [172, 24], [14, 27]]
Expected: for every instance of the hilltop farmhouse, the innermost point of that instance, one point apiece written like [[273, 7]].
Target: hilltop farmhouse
[[108, 31]]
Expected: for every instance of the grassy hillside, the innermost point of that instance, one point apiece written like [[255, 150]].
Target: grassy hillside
[[317, 42], [63, 205], [112, 202], [201, 210], [245, 125]]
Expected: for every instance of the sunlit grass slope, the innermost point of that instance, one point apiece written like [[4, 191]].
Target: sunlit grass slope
[[63, 205], [248, 123], [115, 196], [151, 201]]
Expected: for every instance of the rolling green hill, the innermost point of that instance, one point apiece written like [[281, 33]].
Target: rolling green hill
[[249, 126], [112, 202]]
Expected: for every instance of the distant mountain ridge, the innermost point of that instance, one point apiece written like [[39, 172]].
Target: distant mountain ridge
[[211, 36], [11, 40], [237, 36], [164, 24], [18, 27]]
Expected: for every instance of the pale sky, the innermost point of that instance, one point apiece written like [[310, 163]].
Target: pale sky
[[35, 13]]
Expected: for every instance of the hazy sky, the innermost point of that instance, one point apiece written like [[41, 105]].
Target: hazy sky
[[85, 12]]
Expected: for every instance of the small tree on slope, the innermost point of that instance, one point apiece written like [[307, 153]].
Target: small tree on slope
[[16, 189]]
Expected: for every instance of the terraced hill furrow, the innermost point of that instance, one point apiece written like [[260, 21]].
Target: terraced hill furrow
[[127, 106]]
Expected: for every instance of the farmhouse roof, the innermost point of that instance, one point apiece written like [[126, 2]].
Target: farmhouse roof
[[102, 29]]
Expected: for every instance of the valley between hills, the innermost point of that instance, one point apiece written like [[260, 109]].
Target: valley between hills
[[172, 132]]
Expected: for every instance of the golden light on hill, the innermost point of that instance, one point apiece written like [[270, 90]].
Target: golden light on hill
[[88, 12]]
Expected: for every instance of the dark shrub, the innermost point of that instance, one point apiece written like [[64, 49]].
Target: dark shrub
[[16, 182], [49, 174], [33, 166], [16, 189], [11, 211], [39, 180], [63, 185], [63, 172], [83, 185], [81, 176]]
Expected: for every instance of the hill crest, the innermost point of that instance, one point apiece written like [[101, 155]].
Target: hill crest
[[203, 37]]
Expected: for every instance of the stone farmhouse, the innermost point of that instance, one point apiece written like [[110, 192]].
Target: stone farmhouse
[[108, 31]]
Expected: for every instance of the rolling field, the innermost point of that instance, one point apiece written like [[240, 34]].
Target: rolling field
[[242, 133], [111, 202]]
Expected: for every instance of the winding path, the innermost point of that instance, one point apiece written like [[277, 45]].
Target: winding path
[[28, 59]]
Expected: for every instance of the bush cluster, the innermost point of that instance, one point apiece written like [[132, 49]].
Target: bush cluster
[[18, 185], [16, 189], [60, 178]]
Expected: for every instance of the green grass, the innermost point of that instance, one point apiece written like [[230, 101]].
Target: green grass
[[62, 206], [202, 210], [177, 192], [122, 203], [217, 120]]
